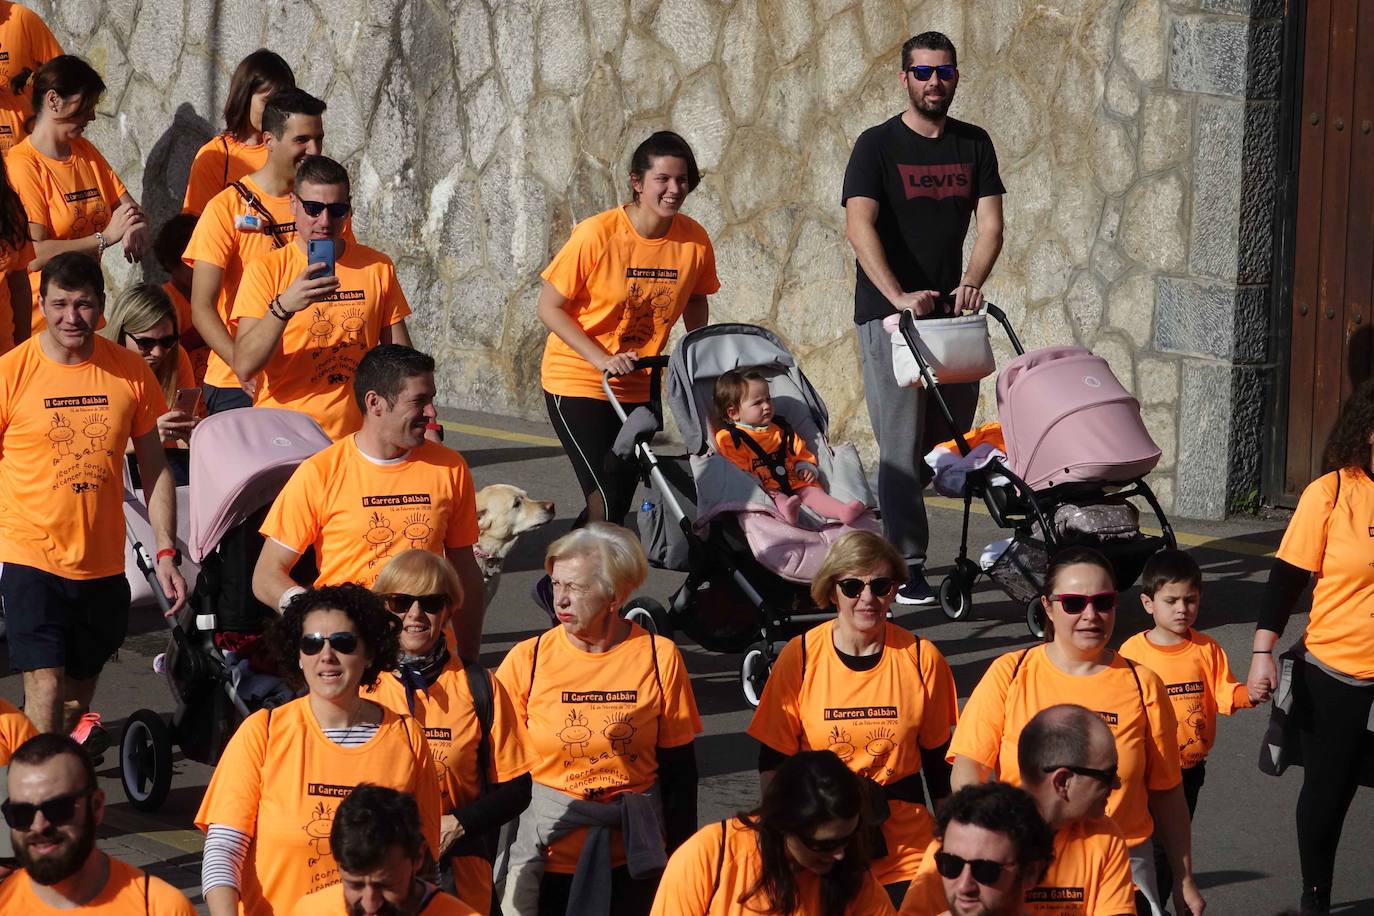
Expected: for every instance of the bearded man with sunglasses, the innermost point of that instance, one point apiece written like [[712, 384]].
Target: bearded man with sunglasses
[[1069, 767], [299, 327], [53, 810], [994, 847], [911, 187]]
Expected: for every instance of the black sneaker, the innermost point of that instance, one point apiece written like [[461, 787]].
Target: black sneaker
[[916, 591], [1315, 902]]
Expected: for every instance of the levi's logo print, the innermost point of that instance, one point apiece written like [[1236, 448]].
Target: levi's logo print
[[937, 181], [395, 522], [866, 740], [649, 296], [79, 433], [89, 213], [598, 728]]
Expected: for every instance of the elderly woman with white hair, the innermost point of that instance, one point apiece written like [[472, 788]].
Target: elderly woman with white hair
[[612, 720]]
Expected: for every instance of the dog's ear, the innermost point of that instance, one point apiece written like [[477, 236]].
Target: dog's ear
[[483, 518]]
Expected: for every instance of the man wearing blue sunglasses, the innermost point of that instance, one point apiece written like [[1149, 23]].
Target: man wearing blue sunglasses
[[912, 185]]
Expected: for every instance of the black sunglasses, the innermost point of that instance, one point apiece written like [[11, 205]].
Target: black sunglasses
[[853, 588], [824, 846], [57, 811], [1102, 602], [399, 602], [146, 344], [343, 643], [985, 871], [922, 72], [1109, 778], [314, 208]]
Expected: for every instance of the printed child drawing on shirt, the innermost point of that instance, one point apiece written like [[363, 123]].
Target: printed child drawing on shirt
[[751, 438], [418, 530], [879, 747], [841, 745], [619, 731], [321, 820], [61, 435], [379, 535], [575, 736]]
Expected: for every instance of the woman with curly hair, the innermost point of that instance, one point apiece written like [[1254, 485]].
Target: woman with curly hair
[[801, 851], [1333, 662], [271, 801]]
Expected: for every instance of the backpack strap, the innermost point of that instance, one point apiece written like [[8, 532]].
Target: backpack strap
[[720, 863], [252, 202], [147, 906], [1019, 659], [772, 461], [534, 661], [1139, 689], [224, 142], [802, 679], [658, 678], [484, 706]]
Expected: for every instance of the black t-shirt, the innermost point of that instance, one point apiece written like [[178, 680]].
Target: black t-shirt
[[926, 191]]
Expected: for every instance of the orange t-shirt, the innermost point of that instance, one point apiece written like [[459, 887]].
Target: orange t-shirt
[[596, 720], [71, 198], [770, 440], [1090, 876], [707, 875], [446, 713], [626, 292], [12, 262], [15, 729], [1199, 682], [216, 241], [357, 512], [330, 902], [25, 44], [876, 721], [185, 325], [62, 433], [280, 781], [317, 357], [1140, 719], [122, 895], [221, 160], [1329, 535]]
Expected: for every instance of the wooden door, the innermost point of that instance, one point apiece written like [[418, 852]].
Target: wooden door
[[1333, 248]]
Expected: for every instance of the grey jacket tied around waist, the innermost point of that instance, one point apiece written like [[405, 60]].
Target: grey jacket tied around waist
[[553, 814]]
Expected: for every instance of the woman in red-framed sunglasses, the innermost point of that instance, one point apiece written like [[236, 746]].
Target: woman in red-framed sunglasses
[[1076, 665]]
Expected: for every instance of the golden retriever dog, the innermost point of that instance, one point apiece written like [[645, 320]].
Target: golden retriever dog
[[504, 513]]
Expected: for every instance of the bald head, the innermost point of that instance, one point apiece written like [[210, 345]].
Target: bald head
[[1063, 736]]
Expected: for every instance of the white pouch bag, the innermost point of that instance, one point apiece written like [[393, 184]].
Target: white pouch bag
[[956, 350]]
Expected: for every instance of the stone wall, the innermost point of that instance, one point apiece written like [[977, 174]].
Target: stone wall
[[1136, 140]]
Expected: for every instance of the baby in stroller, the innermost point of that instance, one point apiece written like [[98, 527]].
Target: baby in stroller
[[759, 443]]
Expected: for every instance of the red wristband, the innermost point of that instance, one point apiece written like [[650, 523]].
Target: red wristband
[[166, 552]]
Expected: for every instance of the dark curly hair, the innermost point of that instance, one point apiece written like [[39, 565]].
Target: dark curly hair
[[1348, 447], [1000, 807], [808, 790], [375, 627]]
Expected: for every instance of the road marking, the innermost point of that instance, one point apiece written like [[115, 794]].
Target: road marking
[[1188, 539], [130, 824]]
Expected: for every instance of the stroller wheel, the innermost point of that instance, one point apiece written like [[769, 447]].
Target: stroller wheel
[[145, 760], [1035, 618], [753, 672], [956, 597], [649, 614]]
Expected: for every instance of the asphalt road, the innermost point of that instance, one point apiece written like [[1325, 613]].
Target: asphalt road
[[1244, 845]]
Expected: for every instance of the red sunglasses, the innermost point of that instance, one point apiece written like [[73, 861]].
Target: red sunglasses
[[1102, 602]]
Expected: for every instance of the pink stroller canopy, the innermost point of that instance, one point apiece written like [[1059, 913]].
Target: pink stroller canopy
[[240, 460], [1068, 419]]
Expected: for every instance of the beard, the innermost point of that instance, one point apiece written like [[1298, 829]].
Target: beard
[[388, 909], [931, 108], [58, 866]]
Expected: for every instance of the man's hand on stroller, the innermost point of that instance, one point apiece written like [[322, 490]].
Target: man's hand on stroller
[[967, 299], [919, 303], [619, 363], [172, 583]]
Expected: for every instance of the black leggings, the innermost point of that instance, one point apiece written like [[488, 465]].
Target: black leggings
[[587, 427], [1334, 735]]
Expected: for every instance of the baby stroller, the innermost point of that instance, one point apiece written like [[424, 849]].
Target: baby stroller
[[748, 571], [1076, 451], [240, 460]]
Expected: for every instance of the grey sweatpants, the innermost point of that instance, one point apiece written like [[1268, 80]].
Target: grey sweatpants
[[906, 423]]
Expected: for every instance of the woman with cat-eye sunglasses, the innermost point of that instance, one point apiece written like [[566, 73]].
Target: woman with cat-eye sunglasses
[[272, 797], [878, 696]]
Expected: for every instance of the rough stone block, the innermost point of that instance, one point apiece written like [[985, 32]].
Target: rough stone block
[[1256, 9], [1085, 303], [1211, 319], [1235, 57], [744, 59], [791, 27], [1049, 271], [1162, 422], [840, 70], [1113, 156], [1152, 227], [1220, 405], [1234, 190], [1165, 131], [750, 278], [1157, 382], [472, 40], [644, 67], [689, 28], [1141, 40], [700, 117], [1131, 308]]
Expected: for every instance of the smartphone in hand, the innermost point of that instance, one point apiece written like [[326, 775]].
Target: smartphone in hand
[[321, 251], [187, 401]]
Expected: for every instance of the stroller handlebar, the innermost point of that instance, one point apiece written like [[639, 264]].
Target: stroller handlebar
[[644, 362]]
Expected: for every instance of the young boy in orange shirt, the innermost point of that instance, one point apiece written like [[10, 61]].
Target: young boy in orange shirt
[[1192, 665]]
